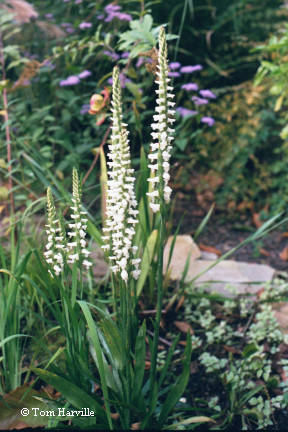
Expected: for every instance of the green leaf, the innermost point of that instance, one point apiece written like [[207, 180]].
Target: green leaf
[[9, 338], [20, 268], [95, 339], [72, 393], [112, 342], [203, 222], [94, 233], [168, 361], [249, 350], [146, 261], [139, 369], [178, 388]]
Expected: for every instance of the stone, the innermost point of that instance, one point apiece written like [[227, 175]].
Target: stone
[[208, 256], [244, 277], [184, 245]]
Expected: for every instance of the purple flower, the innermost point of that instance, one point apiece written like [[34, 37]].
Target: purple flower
[[208, 120], [70, 30], [85, 109], [84, 74], [110, 8], [124, 16], [49, 16], [85, 25], [190, 69], [114, 56], [100, 17], [120, 15], [123, 80], [125, 54], [78, 1], [140, 61], [207, 94], [190, 86], [71, 80], [199, 101], [185, 112], [174, 74], [174, 65], [66, 24]]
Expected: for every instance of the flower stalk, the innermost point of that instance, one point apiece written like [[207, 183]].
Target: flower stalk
[[56, 246], [121, 202], [160, 191]]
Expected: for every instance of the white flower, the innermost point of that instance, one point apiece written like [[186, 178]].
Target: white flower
[[56, 246], [77, 248], [121, 203], [162, 132]]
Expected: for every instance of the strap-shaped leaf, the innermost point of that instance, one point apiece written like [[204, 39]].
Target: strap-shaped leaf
[[139, 369], [180, 385], [72, 393]]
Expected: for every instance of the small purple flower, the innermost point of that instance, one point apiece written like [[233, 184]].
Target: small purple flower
[[114, 56], [174, 65], [84, 74], [85, 25], [199, 101], [207, 94], [208, 120], [140, 61], [65, 24], [78, 1], [125, 54], [185, 112], [124, 16], [123, 80], [70, 81], [190, 69], [85, 109], [110, 8], [70, 30], [113, 12], [190, 87], [174, 74], [100, 17], [49, 16]]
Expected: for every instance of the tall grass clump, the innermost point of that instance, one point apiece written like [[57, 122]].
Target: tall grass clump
[[133, 233]]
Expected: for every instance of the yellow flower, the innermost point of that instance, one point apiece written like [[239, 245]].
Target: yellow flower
[[96, 103]]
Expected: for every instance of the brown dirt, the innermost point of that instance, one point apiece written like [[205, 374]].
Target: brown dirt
[[224, 232]]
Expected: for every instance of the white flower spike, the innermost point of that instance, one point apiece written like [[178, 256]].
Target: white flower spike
[[56, 246], [121, 202], [77, 245], [162, 133]]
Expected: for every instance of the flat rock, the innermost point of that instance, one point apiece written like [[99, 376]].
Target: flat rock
[[245, 277], [184, 245]]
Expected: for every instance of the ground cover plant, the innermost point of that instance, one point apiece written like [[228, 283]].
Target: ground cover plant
[[76, 353]]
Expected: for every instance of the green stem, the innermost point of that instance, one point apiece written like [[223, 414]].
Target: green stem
[[159, 305]]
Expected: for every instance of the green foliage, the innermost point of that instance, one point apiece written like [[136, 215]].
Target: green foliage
[[244, 378]]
